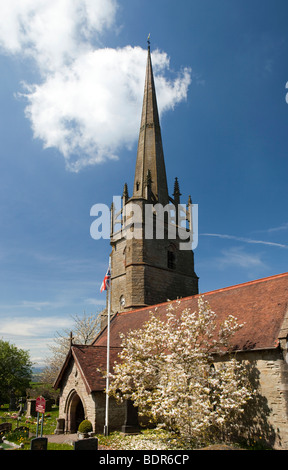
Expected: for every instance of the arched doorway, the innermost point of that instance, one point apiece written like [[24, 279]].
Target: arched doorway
[[75, 412]]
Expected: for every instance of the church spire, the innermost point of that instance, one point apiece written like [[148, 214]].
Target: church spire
[[150, 156]]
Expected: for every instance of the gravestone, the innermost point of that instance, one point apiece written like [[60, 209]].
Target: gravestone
[[39, 443], [86, 444], [13, 402], [31, 407], [5, 427], [49, 404]]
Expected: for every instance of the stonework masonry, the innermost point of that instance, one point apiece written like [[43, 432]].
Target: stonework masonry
[[267, 415], [73, 391], [145, 272]]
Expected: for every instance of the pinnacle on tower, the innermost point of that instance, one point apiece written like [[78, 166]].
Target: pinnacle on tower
[[125, 195], [176, 193]]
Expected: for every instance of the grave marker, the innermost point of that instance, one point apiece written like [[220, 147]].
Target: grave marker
[[86, 444], [39, 443]]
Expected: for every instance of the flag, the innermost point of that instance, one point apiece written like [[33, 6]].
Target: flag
[[106, 281]]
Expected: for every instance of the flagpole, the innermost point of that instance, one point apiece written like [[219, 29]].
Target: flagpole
[[108, 355]]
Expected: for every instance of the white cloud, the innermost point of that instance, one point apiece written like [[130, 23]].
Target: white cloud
[[31, 327], [53, 32], [33, 334], [276, 229], [236, 257], [245, 240], [89, 100], [90, 110], [97, 302]]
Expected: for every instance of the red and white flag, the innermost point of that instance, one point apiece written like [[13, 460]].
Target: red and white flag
[[106, 281]]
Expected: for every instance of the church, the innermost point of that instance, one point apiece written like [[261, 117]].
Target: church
[[138, 263]]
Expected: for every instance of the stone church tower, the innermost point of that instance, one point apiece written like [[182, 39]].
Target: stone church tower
[[147, 269]]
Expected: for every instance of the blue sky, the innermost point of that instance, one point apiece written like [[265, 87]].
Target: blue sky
[[72, 77]]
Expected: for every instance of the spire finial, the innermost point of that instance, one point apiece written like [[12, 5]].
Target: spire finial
[[148, 40]]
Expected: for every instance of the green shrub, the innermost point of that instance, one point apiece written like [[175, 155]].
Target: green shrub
[[85, 426]]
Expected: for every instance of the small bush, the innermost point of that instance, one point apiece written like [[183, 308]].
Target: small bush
[[85, 426]]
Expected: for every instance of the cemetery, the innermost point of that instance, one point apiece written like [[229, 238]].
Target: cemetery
[[18, 428]]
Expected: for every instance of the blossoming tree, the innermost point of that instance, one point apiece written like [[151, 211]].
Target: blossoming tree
[[170, 369]]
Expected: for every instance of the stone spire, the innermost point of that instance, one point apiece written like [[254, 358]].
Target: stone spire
[[150, 156]]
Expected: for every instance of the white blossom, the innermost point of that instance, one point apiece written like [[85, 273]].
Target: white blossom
[[170, 369]]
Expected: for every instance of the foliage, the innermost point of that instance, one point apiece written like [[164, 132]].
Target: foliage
[[85, 426], [45, 390], [15, 370], [18, 437], [168, 368], [84, 332]]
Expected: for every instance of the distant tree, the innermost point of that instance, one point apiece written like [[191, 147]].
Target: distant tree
[[84, 332], [15, 371], [169, 368]]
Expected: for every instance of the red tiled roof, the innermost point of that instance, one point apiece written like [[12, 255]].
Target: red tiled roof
[[91, 362], [261, 305]]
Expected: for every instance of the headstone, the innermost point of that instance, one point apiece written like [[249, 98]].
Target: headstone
[[31, 407], [49, 404], [86, 444], [13, 402], [39, 443], [5, 427]]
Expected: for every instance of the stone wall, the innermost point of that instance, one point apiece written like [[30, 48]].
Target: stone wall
[[73, 388], [266, 416], [116, 413]]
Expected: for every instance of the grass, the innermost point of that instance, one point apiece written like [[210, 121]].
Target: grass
[[50, 421]]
